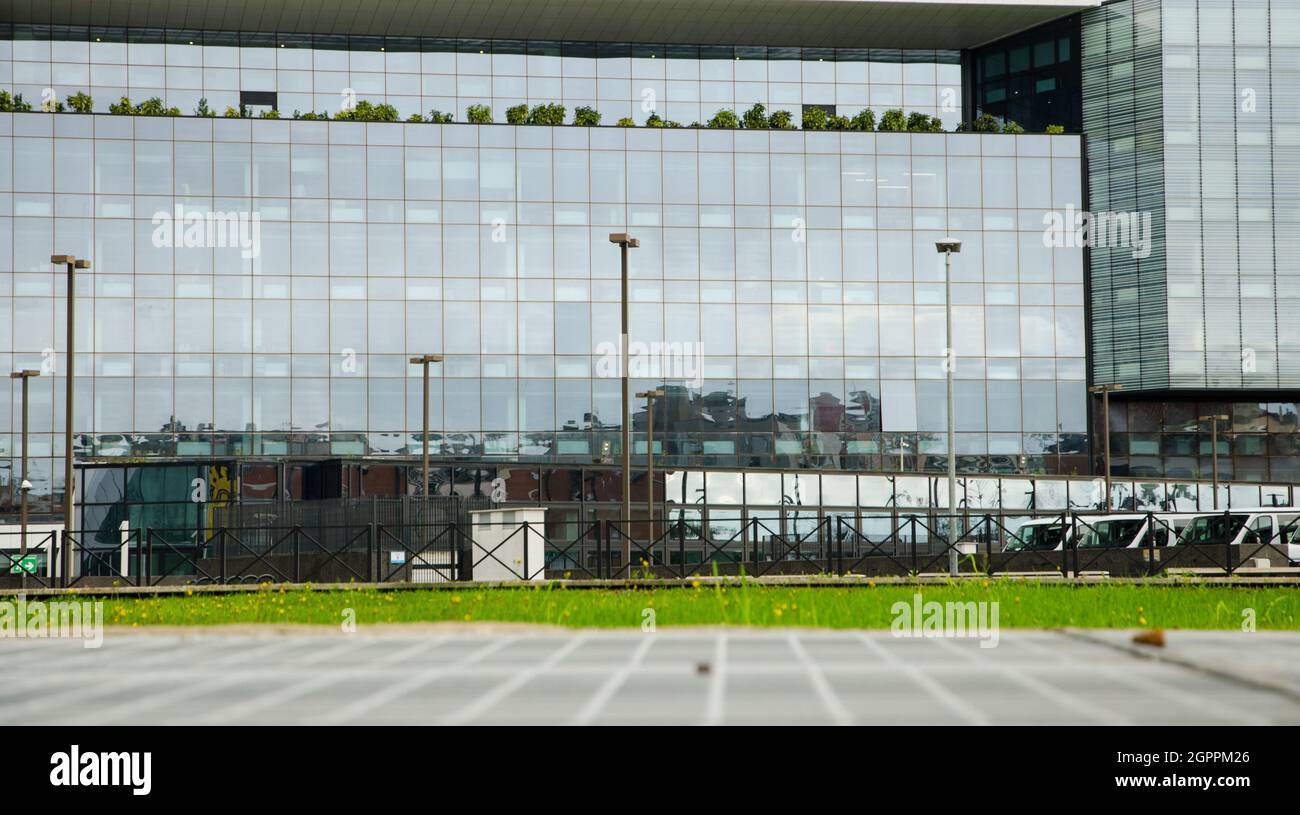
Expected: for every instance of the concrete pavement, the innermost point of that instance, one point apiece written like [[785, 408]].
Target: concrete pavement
[[518, 674]]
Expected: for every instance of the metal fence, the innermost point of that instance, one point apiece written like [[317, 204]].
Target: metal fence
[[389, 546]]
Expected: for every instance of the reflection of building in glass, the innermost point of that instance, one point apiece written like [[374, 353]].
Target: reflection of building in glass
[[819, 341]]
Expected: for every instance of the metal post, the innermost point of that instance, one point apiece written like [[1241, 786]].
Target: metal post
[[23, 490], [911, 521], [1150, 542], [1105, 436], [72, 265], [947, 247], [423, 362], [1227, 541], [952, 447], [681, 546], [1214, 460], [1067, 524], [24, 486], [625, 242], [839, 545], [424, 438], [1214, 451], [68, 405], [988, 545], [1105, 391], [372, 558], [650, 396], [606, 557], [626, 424], [650, 466]]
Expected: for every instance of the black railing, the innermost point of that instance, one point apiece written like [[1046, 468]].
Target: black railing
[[448, 550], [33, 565]]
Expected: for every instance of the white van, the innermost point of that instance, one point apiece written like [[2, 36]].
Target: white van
[[1039, 535], [1253, 527], [1130, 530]]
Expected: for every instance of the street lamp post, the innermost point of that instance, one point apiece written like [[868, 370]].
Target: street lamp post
[[1106, 391], [625, 242], [1214, 450], [650, 396], [24, 486], [423, 362], [948, 247], [72, 264]]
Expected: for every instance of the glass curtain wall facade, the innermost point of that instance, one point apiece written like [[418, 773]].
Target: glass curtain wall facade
[[1161, 437], [1122, 95], [1231, 117], [1193, 115], [800, 266], [683, 83]]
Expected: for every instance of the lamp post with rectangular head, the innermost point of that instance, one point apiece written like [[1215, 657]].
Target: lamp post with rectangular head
[[72, 264], [948, 247], [423, 362], [1214, 450], [24, 486], [1106, 391], [625, 242], [650, 396]]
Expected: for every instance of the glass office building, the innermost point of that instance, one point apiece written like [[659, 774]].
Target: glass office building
[[800, 267], [258, 285]]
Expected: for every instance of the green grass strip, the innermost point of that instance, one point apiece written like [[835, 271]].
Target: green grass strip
[[1021, 605]]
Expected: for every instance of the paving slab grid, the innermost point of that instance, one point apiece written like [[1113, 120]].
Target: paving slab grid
[[681, 676]]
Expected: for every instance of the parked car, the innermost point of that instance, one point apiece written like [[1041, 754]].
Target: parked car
[[1129, 531], [1041, 535], [1277, 526]]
